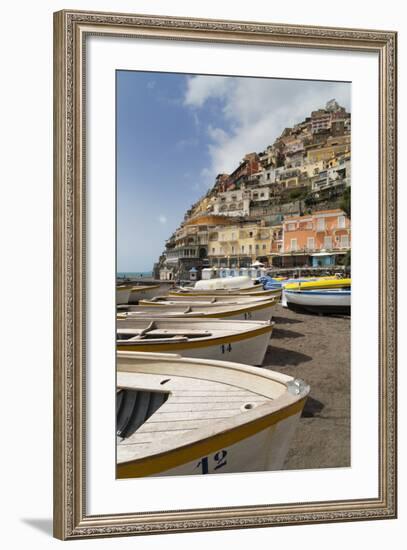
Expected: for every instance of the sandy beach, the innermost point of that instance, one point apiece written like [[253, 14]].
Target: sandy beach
[[316, 349]]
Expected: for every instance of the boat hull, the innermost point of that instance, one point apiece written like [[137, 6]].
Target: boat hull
[[260, 312], [225, 283], [249, 349], [211, 416], [122, 295], [256, 291], [206, 300], [270, 445], [319, 301], [146, 293], [319, 284]]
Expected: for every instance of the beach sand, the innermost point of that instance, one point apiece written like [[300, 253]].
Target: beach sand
[[316, 349]]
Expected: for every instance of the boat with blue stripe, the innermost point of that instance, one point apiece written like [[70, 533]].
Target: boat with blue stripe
[[320, 301]]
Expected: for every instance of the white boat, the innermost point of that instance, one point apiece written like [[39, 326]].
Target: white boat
[[314, 283], [181, 416], [256, 290], [320, 301], [203, 300], [122, 294], [238, 341], [145, 292], [261, 311], [225, 283]]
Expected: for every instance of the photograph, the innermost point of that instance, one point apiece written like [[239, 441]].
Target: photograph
[[204, 255], [233, 274]]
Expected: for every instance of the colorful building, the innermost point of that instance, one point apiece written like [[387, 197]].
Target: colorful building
[[319, 239], [240, 244]]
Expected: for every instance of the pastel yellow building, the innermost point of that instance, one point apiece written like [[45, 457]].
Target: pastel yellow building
[[240, 243]]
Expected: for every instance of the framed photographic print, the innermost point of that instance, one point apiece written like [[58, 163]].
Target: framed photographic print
[[225, 274]]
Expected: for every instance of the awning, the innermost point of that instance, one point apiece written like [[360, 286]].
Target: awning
[[328, 253]]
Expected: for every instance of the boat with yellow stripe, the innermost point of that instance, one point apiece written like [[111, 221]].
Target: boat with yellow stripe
[[325, 300], [203, 300], [238, 341], [323, 283], [256, 291], [320, 283], [181, 416], [261, 311]]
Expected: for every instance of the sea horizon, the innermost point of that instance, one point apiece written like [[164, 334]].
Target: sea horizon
[[122, 274]]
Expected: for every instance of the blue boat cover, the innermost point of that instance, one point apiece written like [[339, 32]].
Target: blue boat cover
[[269, 283]]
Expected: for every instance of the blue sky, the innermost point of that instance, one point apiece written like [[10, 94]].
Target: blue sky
[[176, 132]]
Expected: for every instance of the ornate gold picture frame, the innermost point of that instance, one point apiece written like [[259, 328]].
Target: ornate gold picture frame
[[71, 30]]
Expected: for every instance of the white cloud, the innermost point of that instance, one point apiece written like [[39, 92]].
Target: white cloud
[[201, 88], [162, 219], [254, 112]]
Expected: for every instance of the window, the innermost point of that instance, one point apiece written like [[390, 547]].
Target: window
[[268, 175], [264, 247], [344, 241], [341, 222], [291, 227], [233, 236], [250, 247], [293, 246], [213, 251], [261, 194], [311, 243], [328, 242], [257, 246], [242, 248], [233, 249], [320, 224], [250, 233]]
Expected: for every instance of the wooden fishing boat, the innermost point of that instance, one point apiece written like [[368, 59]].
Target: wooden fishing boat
[[261, 311], [226, 283], [144, 292], [320, 301], [123, 294], [238, 341], [320, 283], [314, 284], [256, 291], [202, 300], [181, 416]]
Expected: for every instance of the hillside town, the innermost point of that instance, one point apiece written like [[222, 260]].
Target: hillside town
[[283, 208]]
